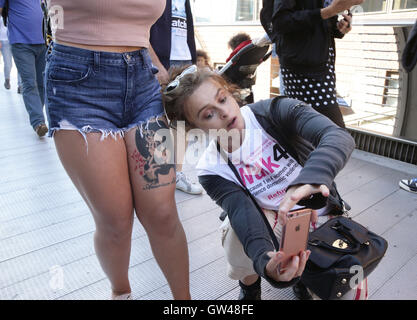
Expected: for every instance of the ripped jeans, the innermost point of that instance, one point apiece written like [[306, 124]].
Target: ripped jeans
[[91, 91]]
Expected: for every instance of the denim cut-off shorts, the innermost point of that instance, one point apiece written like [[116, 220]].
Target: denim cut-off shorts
[[106, 92]]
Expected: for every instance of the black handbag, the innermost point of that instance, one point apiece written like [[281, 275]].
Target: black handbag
[[343, 252]]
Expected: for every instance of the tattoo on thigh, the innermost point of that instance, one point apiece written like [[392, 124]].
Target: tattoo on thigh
[[154, 154]]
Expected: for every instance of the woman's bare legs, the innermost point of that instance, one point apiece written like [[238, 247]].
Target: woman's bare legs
[[102, 178], [153, 183]]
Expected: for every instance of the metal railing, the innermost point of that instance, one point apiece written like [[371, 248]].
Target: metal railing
[[370, 77]]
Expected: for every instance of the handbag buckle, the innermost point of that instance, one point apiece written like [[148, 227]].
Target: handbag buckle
[[340, 244]]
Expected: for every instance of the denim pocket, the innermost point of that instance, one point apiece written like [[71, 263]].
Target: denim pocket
[[70, 74]]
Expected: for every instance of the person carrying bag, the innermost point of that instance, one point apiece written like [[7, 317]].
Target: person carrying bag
[[343, 252]]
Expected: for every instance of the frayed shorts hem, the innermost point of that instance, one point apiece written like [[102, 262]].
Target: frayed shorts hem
[[114, 133]]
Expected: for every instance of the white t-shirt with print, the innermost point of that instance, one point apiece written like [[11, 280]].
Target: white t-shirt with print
[[179, 45], [265, 168]]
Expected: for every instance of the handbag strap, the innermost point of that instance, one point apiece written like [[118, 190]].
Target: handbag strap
[[233, 168]]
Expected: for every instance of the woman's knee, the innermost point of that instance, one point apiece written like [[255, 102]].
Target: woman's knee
[[162, 219], [113, 227]]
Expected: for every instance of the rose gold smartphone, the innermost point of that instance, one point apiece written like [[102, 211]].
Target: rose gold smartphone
[[294, 235]]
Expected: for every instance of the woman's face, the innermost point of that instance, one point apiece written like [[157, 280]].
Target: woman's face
[[211, 106]]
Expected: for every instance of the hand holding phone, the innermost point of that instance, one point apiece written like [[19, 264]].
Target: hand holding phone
[[296, 193], [294, 236], [345, 18], [294, 269]]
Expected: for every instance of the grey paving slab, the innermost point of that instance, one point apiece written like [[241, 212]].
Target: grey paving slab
[[207, 283], [352, 165], [75, 274], [369, 194], [388, 212], [402, 247], [363, 174], [33, 181], [43, 219], [38, 239], [35, 263], [402, 286], [202, 251]]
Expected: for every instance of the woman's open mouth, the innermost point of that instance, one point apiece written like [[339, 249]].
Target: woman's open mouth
[[232, 124]]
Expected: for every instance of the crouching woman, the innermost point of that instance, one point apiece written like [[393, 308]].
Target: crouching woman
[[283, 150]]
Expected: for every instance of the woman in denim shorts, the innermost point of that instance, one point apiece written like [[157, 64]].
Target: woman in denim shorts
[[105, 111]]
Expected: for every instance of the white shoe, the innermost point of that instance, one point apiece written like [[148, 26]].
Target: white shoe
[[186, 185]]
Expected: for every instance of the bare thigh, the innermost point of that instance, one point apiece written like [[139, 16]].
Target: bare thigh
[[152, 169], [100, 173]]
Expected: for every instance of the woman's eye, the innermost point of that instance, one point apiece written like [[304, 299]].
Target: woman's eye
[[223, 100], [208, 116]]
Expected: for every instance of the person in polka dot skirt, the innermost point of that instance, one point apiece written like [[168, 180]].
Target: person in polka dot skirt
[[306, 49], [317, 90]]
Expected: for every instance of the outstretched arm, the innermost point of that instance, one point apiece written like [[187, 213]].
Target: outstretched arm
[[333, 147], [252, 232]]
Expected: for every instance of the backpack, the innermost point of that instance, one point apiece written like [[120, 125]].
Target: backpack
[[5, 12]]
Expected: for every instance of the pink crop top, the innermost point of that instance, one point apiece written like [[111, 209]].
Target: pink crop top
[[105, 22]]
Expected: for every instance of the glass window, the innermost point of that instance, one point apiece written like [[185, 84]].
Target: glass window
[[244, 10], [209, 12], [373, 6], [226, 11], [404, 4]]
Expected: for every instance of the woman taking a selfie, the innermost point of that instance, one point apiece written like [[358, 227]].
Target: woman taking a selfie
[[270, 144]]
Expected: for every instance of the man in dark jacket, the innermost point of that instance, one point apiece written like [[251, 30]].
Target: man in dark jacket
[[172, 38]]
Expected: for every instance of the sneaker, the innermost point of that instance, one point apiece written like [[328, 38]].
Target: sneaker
[[185, 185], [41, 129], [252, 292], [301, 292], [7, 84], [409, 185]]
